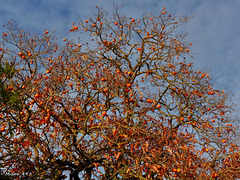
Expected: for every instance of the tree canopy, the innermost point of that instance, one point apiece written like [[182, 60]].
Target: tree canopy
[[121, 102]]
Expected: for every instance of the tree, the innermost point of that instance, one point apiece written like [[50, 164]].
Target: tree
[[124, 104]]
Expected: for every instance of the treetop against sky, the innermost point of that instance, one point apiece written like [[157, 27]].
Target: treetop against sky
[[214, 30]]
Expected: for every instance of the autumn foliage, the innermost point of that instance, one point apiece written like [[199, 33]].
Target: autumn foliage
[[123, 102]]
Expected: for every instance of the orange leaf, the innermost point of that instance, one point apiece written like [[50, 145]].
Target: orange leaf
[[118, 155]]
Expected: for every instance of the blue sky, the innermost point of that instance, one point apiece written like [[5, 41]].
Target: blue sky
[[214, 30]]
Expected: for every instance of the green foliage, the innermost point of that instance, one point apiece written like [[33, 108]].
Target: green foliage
[[9, 97], [8, 70]]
